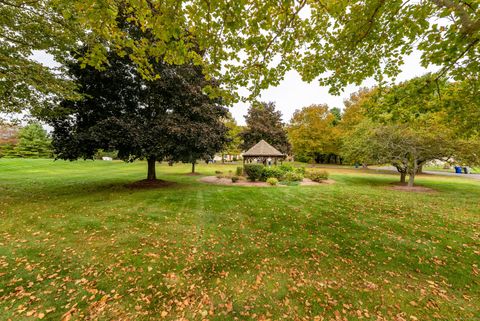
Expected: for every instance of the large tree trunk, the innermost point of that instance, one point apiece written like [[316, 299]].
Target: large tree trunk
[[413, 170], [193, 167], [411, 179], [152, 175], [223, 158], [403, 177], [420, 169]]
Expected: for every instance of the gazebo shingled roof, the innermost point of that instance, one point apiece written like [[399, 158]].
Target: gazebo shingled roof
[[263, 150]]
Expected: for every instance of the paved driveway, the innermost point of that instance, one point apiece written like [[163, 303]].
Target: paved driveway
[[474, 176], [441, 173]]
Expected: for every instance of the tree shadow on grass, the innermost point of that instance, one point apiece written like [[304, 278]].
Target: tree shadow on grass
[[367, 180], [149, 184], [78, 188]]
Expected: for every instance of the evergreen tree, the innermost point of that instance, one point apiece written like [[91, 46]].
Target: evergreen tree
[[33, 142], [264, 122]]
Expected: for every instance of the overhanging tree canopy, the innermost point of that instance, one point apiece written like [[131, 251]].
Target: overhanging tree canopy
[[242, 43]]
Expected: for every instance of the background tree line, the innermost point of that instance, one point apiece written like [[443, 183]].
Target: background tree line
[[405, 125]]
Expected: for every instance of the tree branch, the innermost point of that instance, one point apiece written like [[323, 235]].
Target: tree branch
[[469, 25]]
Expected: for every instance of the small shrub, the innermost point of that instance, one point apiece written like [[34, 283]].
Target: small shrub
[[285, 167], [239, 171], [300, 170], [218, 172], [271, 172], [318, 175], [253, 171], [235, 179], [293, 177], [272, 181]]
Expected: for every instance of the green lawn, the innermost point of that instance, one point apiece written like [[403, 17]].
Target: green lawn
[[75, 242]]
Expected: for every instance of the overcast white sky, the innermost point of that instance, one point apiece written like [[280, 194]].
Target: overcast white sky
[[293, 93]]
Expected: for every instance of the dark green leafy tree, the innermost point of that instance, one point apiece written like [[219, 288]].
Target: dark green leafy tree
[[264, 122], [337, 113], [141, 119], [198, 131]]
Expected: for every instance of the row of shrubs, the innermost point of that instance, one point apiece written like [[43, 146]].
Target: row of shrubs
[[284, 172], [273, 175]]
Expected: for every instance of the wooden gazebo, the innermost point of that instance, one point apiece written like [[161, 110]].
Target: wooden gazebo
[[262, 151]]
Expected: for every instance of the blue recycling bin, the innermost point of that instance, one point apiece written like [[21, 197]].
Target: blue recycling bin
[[458, 170]]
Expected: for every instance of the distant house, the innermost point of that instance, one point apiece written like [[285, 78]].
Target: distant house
[[227, 157]]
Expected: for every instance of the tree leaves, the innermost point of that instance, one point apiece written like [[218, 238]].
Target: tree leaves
[[264, 122], [167, 118], [312, 131]]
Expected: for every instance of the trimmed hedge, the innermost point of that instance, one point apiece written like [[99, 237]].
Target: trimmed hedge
[[254, 171], [269, 172]]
